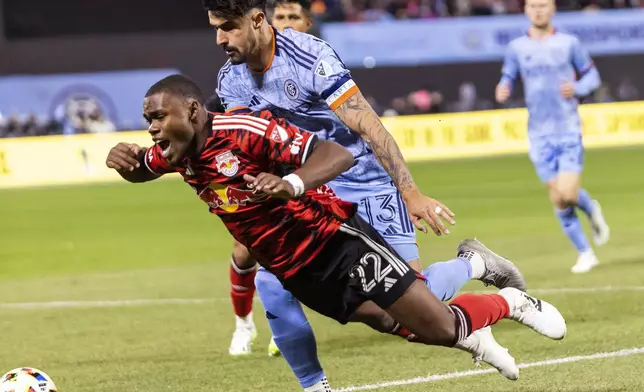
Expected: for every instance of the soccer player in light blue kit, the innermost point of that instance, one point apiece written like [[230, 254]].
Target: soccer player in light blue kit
[[302, 79], [548, 62]]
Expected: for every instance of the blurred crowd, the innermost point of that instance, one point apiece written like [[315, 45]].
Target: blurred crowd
[[76, 116], [382, 10], [85, 115], [427, 101], [78, 119]]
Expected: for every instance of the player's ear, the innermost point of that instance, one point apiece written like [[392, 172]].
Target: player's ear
[[195, 109], [258, 19]]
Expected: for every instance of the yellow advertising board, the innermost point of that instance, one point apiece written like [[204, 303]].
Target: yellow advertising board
[[53, 160], [458, 135]]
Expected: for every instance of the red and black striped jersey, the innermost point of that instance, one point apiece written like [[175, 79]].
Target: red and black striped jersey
[[283, 235]]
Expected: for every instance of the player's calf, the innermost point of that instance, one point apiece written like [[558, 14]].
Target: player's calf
[[437, 324], [373, 316]]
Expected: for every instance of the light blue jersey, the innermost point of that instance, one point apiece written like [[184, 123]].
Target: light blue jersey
[[305, 82], [554, 126]]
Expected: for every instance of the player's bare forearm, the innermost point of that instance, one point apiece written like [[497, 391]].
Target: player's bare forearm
[[129, 164], [327, 161], [357, 114], [140, 174]]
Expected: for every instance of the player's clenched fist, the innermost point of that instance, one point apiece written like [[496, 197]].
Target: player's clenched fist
[[567, 90], [502, 93], [271, 185], [124, 157]]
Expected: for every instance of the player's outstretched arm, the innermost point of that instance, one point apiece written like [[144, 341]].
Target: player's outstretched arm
[[357, 114], [127, 160], [325, 162]]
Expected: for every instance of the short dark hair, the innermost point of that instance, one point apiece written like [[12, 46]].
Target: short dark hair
[[306, 4], [178, 85], [213, 104], [233, 8]]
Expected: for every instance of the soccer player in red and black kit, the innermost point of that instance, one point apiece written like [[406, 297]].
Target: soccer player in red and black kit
[[265, 179]]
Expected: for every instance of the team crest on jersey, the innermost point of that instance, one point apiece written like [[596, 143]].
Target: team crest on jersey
[[278, 134], [291, 89], [227, 164]]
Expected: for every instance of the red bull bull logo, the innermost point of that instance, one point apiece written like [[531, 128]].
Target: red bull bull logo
[[229, 198], [227, 164]]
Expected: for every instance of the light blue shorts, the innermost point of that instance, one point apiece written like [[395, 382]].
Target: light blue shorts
[[382, 206], [554, 155]]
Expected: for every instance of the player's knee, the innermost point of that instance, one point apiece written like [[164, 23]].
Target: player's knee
[[242, 257], [569, 196], [556, 198], [270, 290]]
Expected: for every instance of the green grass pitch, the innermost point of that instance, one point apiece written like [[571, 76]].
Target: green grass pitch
[[123, 242]]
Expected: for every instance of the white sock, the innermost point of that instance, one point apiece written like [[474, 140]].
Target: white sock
[[321, 386], [476, 262], [245, 322]]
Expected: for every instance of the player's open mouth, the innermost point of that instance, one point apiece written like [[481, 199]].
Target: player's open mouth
[[165, 147]]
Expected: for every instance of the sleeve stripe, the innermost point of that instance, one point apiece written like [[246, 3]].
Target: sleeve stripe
[[261, 121], [311, 58], [307, 146], [233, 126], [234, 122], [337, 102], [145, 160], [236, 108]]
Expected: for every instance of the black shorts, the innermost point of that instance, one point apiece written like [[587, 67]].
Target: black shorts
[[355, 266]]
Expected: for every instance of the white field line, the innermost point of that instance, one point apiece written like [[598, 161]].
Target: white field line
[[199, 301], [469, 373]]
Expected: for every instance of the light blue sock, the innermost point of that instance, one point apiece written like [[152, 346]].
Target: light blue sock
[[573, 229], [291, 329], [585, 202], [444, 279]]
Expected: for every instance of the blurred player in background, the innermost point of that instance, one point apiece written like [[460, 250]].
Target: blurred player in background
[[292, 14], [299, 77], [320, 249], [556, 72]]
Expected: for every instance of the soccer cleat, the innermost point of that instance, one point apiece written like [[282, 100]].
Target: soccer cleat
[[273, 350], [499, 272], [585, 262], [534, 313], [601, 231], [243, 337], [320, 386], [483, 347]]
